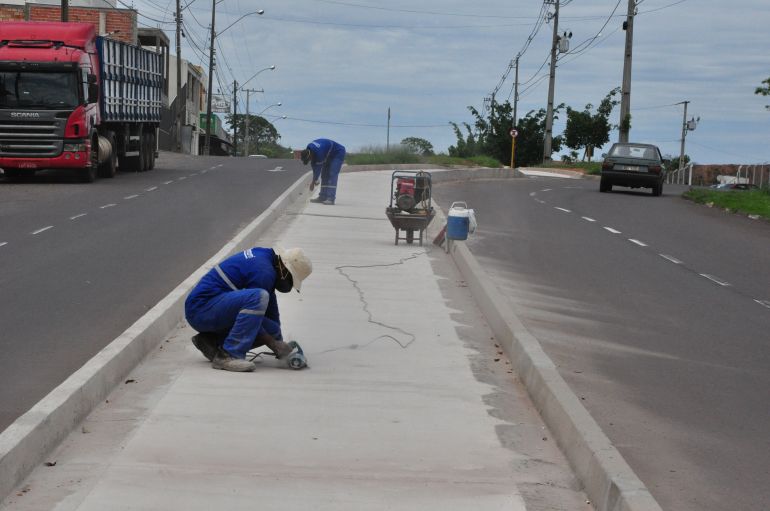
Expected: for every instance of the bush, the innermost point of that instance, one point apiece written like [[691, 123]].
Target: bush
[[378, 155]]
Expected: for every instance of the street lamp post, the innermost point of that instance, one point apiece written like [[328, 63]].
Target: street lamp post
[[266, 108], [207, 149], [270, 68]]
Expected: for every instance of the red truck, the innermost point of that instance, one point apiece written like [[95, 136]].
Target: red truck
[[70, 99]]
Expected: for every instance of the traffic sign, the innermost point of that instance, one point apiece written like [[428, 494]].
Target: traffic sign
[[513, 133]]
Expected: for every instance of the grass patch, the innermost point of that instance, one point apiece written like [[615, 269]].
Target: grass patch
[[750, 202], [401, 154]]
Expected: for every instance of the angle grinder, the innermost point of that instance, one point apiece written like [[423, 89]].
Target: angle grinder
[[295, 360]]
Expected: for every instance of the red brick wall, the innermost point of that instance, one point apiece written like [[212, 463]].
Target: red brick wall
[[11, 12], [121, 23]]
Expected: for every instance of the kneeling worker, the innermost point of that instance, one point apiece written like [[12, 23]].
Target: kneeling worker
[[326, 158], [235, 309]]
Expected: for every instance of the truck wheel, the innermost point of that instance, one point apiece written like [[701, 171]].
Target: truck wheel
[[144, 158], [109, 167]]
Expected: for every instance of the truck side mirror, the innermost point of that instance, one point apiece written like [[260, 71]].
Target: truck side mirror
[[93, 89]]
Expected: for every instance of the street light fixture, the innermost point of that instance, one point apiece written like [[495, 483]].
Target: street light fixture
[[211, 65], [266, 108]]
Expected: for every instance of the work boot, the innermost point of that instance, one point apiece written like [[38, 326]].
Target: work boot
[[207, 343], [317, 200], [223, 360], [329, 202]]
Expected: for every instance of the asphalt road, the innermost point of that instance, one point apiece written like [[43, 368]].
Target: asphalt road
[[82, 262], [656, 311]]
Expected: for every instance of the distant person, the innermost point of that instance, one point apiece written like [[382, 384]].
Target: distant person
[[326, 158], [235, 309]]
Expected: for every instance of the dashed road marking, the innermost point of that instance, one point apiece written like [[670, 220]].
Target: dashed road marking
[[78, 216], [670, 258], [562, 209], [714, 279], [540, 201], [167, 182], [182, 178], [131, 197], [151, 189], [532, 194], [641, 244], [107, 206], [613, 231], [193, 174], [3, 243], [204, 171], [42, 230], [546, 189], [588, 219], [763, 303]]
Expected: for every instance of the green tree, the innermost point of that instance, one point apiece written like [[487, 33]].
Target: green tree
[[531, 138], [764, 90], [466, 146], [587, 130], [418, 145], [262, 133]]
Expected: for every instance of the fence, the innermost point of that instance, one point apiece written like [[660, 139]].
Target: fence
[[705, 175]]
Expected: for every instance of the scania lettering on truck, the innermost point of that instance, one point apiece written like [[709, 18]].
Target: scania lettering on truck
[[70, 99]]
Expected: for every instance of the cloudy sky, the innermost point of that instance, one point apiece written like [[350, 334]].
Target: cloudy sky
[[340, 64]]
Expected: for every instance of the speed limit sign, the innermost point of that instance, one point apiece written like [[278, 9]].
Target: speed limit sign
[[513, 133]]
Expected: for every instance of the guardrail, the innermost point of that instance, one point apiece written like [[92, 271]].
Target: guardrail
[[681, 176]]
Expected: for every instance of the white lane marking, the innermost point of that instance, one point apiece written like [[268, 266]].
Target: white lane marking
[[637, 242], [613, 231], [193, 174], [532, 194], [42, 230], [212, 168], [588, 219], [714, 279], [107, 206], [3, 243], [131, 197], [182, 178], [204, 171], [562, 209], [540, 201], [151, 189], [277, 169], [670, 258], [546, 189], [167, 182], [78, 216], [763, 303]]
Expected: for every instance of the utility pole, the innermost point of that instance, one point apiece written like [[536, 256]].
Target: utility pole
[[247, 133], [387, 146], [625, 95], [207, 147], [549, 112], [65, 10], [235, 118], [180, 103], [516, 91], [684, 134]]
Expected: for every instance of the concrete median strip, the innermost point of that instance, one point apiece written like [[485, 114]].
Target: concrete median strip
[[609, 481], [25, 443]]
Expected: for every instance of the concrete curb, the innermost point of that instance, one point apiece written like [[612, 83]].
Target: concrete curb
[[609, 481], [26, 442]]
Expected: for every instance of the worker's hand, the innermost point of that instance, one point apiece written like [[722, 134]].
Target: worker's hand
[[312, 185]]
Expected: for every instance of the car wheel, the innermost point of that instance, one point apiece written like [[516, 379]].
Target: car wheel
[[657, 190], [605, 186]]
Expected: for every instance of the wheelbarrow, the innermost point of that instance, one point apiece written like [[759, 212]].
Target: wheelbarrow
[[410, 210]]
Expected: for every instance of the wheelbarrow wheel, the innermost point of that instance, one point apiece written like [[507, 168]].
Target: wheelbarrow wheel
[[410, 236]]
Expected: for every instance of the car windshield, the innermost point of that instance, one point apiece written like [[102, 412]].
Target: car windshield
[[48, 90], [634, 151]]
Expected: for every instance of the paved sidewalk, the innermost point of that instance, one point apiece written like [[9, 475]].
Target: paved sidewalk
[[407, 403]]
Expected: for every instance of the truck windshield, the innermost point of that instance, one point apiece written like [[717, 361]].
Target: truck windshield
[[47, 90]]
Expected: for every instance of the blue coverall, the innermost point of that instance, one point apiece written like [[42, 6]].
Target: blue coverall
[[237, 296], [326, 160]]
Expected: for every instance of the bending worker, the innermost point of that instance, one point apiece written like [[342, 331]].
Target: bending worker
[[235, 309], [326, 158]]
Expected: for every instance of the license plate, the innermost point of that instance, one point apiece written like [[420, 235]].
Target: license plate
[[635, 168]]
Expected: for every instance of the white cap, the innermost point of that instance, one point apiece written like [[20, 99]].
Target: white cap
[[298, 264]]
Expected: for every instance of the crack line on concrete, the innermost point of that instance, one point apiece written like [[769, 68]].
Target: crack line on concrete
[[365, 304]]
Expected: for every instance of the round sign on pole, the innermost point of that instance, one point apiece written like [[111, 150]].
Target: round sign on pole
[[513, 133]]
